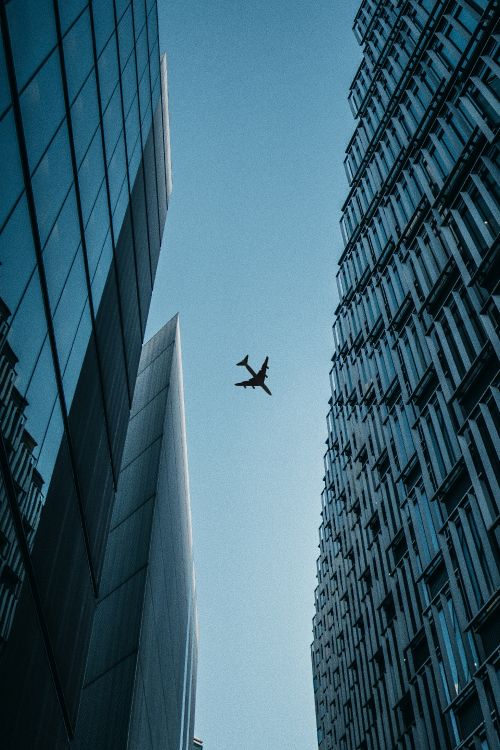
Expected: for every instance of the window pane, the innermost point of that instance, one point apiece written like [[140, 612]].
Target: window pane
[[96, 229], [50, 446], [33, 35], [108, 71], [4, 83], [91, 175], [41, 396], [61, 248], [17, 256], [51, 182], [117, 171], [139, 15], [30, 317], [121, 5], [112, 123], [101, 274], [142, 52], [78, 54], [153, 30], [85, 117], [126, 36], [11, 176], [104, 22], [129, 84], [69, 309], [132, 127], [68, 11], [42, 107], [76, 355], [120, 208]]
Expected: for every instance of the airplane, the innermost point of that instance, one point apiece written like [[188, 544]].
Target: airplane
[[257, 377]]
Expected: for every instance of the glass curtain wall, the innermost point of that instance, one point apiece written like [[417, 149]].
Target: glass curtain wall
[[82, 208]]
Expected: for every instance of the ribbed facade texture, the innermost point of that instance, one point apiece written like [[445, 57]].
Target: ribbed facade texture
[[84, 188], [140, 681], [407, 627]]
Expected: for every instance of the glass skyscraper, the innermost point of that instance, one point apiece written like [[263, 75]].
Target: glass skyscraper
[[140, 681], [406, 630], [84, 189]]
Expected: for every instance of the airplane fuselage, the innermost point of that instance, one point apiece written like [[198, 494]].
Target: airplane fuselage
[[257, 378]]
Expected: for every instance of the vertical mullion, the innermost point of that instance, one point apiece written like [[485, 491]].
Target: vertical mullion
[[148, 232], [4, 461], [153, 114], [108, 194], [82, 230], [142, 314]]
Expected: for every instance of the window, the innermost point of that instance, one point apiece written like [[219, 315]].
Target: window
[[33, 35], [78, 54], [51, 182], [42, 107]]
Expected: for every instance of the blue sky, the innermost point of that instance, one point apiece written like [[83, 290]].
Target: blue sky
[[259, 123]]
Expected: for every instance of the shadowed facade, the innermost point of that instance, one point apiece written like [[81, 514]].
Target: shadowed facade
[[406, 636], [84, 192]]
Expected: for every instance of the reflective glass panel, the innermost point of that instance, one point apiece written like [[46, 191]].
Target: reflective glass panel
[[91, 175], [126, 35], [11, 176], [4, 83], [61, 247], [78, 54], [96, 229], [132, 126], [30, 317], [121, 5], [33, 35], [41, 396], [69, 309], [139, 15], [51, 182], [142, 52], [17, 256], [85, 117], [76, 356], [68, 11], [108, 71], [153, 29], [129, 86], [104, 22], [120, 208], [51, 443], [117, 171], [101, 273], [42, 107]]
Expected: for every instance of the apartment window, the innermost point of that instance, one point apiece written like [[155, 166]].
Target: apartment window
[[457, 657]]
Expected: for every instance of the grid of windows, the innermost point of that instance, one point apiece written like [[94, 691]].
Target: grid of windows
[[405, 651], [83, 201]]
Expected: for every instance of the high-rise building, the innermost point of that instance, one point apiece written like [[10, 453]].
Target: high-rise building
[[406, 631], [84, 189], [141, 672]]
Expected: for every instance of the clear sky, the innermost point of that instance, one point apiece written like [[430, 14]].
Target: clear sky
[[259, 122]]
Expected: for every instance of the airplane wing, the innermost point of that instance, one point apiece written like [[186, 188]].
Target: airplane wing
[[263, 369], [244, 383]]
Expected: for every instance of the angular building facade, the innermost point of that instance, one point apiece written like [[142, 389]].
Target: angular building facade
[[84, 190], [140, 679], [406, 630]]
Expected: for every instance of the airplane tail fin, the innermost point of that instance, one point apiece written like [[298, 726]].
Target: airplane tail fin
[[243, 362]]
